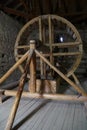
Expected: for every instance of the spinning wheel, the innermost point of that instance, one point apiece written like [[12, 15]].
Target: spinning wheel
[[62, 42]]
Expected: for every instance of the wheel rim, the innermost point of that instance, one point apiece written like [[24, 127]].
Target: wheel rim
[[47, 28]]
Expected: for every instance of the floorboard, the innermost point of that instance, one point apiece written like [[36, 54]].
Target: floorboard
[[41, 114]]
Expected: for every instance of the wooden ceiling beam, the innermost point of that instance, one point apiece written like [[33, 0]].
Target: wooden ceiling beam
[[72, 14], [25, 5], [8, 2], [14, 12], [18, 6], [80, 18], [37, 8], [46, 6]]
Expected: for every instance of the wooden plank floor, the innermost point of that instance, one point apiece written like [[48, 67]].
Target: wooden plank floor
[[40, 114]]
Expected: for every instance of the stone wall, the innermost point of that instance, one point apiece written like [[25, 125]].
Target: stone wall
[[8, 33]]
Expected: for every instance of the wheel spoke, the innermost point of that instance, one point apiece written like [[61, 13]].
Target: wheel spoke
[[40, 29], [23, 47], [63, 45], [67, 54]]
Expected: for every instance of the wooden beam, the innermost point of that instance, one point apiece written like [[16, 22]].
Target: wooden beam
[[40, 30], [32, 68], [23, 46], [25, 5], [66, 44], [37, 7], [72, 14], [8, 2], [67, 54], [80, 18], [0, 98], [17, 6], [50, 38], [46, 6], [14, 12], [19, 93], [1, 94], [11, 70], [60, 97], [58, 54]]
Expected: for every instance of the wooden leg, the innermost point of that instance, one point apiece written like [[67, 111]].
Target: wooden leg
[[18, 95], [76, 79], [14, 67], [0, 99], [15, 105], [1, 93]]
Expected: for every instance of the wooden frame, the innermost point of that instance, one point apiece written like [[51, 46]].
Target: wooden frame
[[31, 65], [31, 59]]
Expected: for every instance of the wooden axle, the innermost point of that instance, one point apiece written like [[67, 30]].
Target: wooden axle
[[58, 97]]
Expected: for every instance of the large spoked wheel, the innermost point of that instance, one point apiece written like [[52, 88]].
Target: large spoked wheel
[[62, 42]]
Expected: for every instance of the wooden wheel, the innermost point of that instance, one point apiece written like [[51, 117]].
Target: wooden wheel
[[58, 36]]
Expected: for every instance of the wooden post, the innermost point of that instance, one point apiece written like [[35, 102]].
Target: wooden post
[[44, 69], [50, 38], [18, 95], [32, 83], [41, 66]]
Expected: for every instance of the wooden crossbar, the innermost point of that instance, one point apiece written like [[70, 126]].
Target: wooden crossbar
[[59, 97]]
